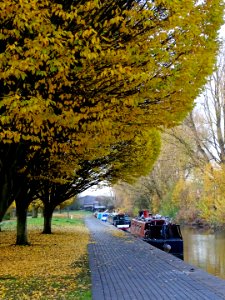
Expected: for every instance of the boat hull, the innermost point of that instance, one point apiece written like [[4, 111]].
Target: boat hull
[[172, 246]]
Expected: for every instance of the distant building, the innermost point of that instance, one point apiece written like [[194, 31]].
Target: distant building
[[92, 203]]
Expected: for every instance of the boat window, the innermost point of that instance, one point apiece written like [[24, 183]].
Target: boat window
[[156, 231]]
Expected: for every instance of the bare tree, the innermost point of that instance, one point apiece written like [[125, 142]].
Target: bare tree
[[207, 120]]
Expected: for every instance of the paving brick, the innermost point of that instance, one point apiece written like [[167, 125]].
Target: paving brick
[[127, 268]]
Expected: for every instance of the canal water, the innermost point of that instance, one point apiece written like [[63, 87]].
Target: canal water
[[205, 249]]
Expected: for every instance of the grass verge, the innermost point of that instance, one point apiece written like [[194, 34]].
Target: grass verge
[[54, 266]]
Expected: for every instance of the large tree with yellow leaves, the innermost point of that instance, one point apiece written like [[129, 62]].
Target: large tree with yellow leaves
[[87, 75], [53, 183], [75, 70]]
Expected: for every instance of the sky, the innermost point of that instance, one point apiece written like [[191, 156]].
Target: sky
[[98, 191]]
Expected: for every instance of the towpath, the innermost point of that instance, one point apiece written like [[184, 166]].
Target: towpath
[[126, 268]]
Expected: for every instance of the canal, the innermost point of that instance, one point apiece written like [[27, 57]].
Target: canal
[[205, 249]]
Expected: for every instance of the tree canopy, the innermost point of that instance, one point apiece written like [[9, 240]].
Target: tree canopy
[[88, 79], [79, 71]]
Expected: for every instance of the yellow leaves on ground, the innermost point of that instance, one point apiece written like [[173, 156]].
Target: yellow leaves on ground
[[31, 260], [122, 235], [119, 234], [53, 267]]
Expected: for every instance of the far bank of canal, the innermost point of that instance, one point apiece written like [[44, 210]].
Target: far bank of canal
[[205, 249]]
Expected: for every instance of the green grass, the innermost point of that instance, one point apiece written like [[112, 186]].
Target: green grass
[[61, 219]]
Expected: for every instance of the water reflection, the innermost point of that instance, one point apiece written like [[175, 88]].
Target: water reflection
[[205, 249]]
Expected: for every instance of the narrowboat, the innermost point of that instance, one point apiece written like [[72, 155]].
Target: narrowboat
[[120, 220], [158, 231]]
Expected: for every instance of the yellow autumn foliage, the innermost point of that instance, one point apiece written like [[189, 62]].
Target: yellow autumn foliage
[[212, 203], [50, 268], [69, 74], [79, 78]]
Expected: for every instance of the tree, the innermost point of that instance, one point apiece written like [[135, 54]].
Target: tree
[[127, 161], [67, 67], [89, 75], [53, 181], [23, 199], [205, 123], [155, 190], [66, 204], [208, 119], [211, 203], [12, 159], [35, 206]]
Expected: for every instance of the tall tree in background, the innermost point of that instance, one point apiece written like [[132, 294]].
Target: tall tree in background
[[207, 121], [155, 190]]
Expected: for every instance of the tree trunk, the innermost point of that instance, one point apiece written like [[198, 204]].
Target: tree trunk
[[22, 238], [5, 200], [48, 211], [34, 212], [5, 197], [13, 213]]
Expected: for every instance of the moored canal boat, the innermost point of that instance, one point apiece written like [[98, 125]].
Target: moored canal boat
[[158, 231], [120, 220]]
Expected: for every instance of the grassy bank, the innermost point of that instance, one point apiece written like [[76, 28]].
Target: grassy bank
[[54, 266]]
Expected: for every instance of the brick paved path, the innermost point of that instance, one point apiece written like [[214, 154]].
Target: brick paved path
[[126, 268]]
